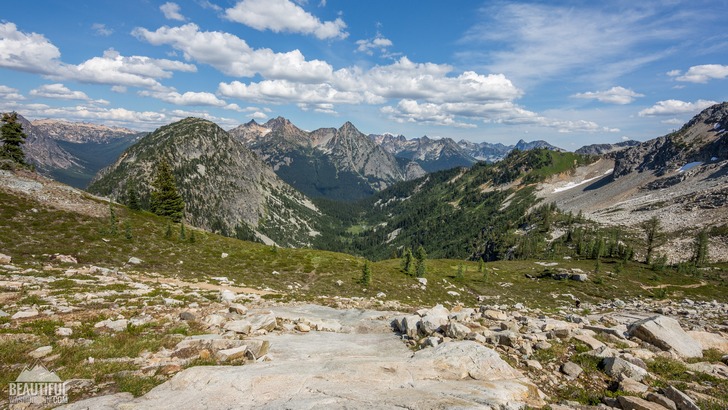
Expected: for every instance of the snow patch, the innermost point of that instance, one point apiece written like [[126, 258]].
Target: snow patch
[[571, 185], [689, 166]]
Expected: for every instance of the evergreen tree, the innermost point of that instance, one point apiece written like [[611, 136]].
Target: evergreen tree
[[132, 199], [12, 137], [366, 274], [654, 237], [192, 239], [168, 232], [182, 235], [420, 257], [408, 265], [166, 201], [461, 272], [700, 252], [127, 230], [480, 265]]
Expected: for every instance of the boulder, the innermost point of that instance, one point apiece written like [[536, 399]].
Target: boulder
[[41, 352], [589, 341], [64, 258], [682, 400], [632, 386], [409, 326], [23, 314], [134, 261], [457, 331], [636, 403], [620, 369], [432, 323], [115, 325], [571, 370], [661, 400], [186, 315], [468, 360], [494, 315], [303, 327], [64, 331], [5, 259], [239, 326], [227, 296], [234, 353], [579, 277], [666, 333], [708, 340], [238, 308]]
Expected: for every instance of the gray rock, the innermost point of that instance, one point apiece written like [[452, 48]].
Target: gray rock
[[64, 331], [239, 326], [636, 403], [579, 277], [5, 259], [604, 351], [265, 321], [433, 323], [227, 296], [4, 313], [629, 385], [666, 333], [186, 315], [134, 261], [238, 308], [23, 314], [231, 354], [571, 369], [41, 352], [507, 338], [172, 302], [409, 326], [64, 258], [494, 315], [115, 325], [303, 327], [661, 400], [457, 331], [620, 368], [682, 400]]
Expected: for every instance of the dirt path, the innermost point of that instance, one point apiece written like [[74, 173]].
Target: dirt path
[[204, 285], [663, 286]]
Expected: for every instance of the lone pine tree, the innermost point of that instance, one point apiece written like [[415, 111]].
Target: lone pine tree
[[166, 201], [12, 137]]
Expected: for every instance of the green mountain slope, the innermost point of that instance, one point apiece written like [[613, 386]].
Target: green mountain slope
[[226, 188]]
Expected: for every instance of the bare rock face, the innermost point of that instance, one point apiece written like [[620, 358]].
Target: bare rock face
[[666, 333]]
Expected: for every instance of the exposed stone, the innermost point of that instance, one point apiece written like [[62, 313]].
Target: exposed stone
[[534, 364], [172, 302], [5, 259], [409, 326], [709, 340], [579, 277], [238, 308], [187, 315], [64, 258], [227, 296], [41, 352], [134, 261], [682, 400], [620, 368], [494, 315], [115, 325], [636, 403], [231, 354], [23, 314], [589, 341], [632, 386], [4, 313], [571, 369], [224, 255], [432, 323], [457, 330], [258, 348], [264, 321], [303, 327], [239, 326], [661, 400], [64, 331], [666, 333]]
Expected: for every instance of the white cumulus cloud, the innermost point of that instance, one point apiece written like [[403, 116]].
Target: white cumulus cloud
[[187, 98], [58, 91], [101, 29], [284, 16], [675, 107], [233, 56], [701, 73], [171, 11], [10, 94], [614, 95], [378, 43], [26, 52]]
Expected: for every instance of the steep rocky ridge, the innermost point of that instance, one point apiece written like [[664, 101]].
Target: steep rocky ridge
[[601, 149], [680, 178], [332, 163], [226, 187], [431, 154]]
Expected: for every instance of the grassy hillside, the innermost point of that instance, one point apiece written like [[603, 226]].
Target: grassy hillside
[[30, 232]]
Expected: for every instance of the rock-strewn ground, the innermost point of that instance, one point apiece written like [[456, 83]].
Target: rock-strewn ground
[[108, 331]]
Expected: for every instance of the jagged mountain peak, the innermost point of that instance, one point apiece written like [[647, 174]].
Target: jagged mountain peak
[[278, 122]]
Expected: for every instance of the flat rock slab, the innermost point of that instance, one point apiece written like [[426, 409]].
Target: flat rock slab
[[666, 333], [345, 370]]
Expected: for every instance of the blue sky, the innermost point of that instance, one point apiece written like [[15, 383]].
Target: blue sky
[[569, 72]]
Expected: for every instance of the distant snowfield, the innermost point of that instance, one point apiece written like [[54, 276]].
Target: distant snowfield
[[571, 185], [689, 166]]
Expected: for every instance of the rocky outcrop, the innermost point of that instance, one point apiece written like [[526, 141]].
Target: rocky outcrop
[[666, 333]]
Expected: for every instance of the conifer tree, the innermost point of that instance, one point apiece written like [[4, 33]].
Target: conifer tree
[[12, 138], [700, 253], [461, 271], [420, 257], [408, 265], [654, 237], [132, 199], [166, 201], [366, 274]]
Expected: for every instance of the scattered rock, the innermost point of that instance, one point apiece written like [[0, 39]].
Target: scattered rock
[[64, 331], [494, 315], [579, 277], [238, 308], [231, 354], [661, 400], [666, 333], [302, 327], [134, 261], [239, 326], [571, 369], [172, 302], [632, 386], [41, 352], [187, 316], [115, 325], [4, 313], [682, 400], [265, 321], [5, 259], [620, 368], [339, 282], [63, 258], [23, 314], [457, 331], [227, 296], [224, 255], [636, 403], [708, 340]]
